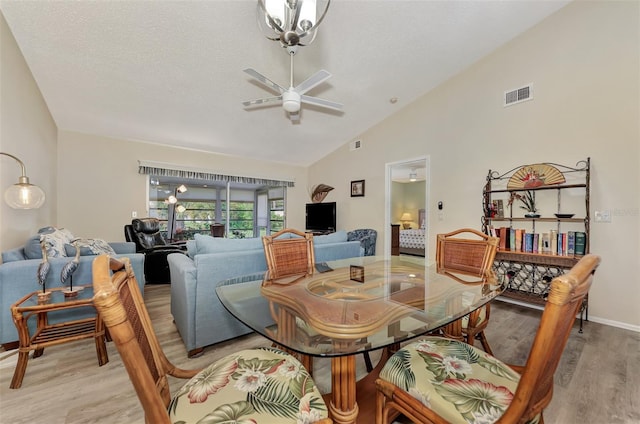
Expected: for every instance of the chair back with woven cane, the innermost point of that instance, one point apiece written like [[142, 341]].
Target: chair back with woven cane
[[524, 391], [288, 253], [121, 306], [119, 302], [467, 252]]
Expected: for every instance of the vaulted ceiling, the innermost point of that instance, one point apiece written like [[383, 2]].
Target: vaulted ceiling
[[170, 72]]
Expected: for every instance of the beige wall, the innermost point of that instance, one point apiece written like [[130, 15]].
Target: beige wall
[[99, 184], [28, 132], [584, 65]]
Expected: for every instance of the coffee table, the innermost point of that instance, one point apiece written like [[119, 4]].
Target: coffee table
[[35, 306], [361, 304]]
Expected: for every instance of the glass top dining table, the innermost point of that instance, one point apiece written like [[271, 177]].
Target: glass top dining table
[[357, 305]]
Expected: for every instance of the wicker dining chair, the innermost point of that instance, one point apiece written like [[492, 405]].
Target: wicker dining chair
[[440, 380], [289, 253], [263, 385], [470, 253]]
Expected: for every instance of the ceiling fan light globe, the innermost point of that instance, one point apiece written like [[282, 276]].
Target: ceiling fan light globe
[[291, 101], [291, 106]]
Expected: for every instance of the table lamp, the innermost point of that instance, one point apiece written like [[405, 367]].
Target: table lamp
[[406, 220]]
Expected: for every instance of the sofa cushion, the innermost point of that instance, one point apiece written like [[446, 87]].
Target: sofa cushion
[[55, 241], [208, 244], [89, 247], [337, 237], [32, 249]]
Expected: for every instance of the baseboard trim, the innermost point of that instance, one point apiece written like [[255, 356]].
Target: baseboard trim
[[604, 321]]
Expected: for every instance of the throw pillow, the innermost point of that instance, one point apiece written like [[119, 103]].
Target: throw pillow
[[32, 249], [208, 244], [89, 247], [337, 237], [55, 241]]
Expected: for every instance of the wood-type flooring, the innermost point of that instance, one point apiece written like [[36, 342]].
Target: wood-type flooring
[[598, 380]]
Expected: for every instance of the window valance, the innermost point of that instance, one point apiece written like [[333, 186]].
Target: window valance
[[173, 170]]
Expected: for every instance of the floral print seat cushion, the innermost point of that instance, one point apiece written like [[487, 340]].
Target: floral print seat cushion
[[460, 383], [261, 386]]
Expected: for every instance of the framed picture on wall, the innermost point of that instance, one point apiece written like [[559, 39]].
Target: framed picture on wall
[[357, 188]]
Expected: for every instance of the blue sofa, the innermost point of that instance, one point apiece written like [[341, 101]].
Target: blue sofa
[[18, 278], [198, 314]]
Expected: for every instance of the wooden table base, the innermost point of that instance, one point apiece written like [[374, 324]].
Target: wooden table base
[[352, 401]]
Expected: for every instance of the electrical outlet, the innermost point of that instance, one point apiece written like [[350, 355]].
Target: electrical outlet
[[134, 214], [602, 216]]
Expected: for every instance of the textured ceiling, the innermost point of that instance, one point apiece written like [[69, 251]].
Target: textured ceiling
[[170, 72]]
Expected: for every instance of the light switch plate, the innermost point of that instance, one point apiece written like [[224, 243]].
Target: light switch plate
[[602, 216]]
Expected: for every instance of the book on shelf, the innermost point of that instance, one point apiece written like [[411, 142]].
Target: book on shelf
[[546, 245], [528, 243], [536, 243], [512, 239], [571, 242], [503, 234], [580, 242], [519, 239], [553, 242], [559, 250]]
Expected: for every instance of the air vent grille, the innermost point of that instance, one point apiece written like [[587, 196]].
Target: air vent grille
[[518, 95], [355, 145]]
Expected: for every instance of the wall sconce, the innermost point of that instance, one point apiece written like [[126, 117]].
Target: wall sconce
[[406, 218], [23, 195]]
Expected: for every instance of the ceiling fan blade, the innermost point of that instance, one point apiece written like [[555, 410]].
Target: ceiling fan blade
[[264, 101], [264, 80], [315, 79], [321, 102]]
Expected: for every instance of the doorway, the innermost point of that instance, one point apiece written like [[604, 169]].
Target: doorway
[[407, 196]]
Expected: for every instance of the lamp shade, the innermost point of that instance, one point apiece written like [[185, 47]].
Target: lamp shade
[[405, 217], [24, 196]]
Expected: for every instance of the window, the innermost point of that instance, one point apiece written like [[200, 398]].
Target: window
[[184, 213], [276, 212], [196, 219]]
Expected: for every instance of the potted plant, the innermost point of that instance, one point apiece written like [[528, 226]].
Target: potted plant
[[528, 200]]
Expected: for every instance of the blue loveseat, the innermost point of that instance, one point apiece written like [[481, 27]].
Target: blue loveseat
[[18, 278], [198, 314]]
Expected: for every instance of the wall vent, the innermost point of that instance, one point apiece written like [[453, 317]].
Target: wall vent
[[518, 95], [355, 145]]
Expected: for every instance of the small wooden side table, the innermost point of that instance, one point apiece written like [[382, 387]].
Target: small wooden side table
[[33, 305]]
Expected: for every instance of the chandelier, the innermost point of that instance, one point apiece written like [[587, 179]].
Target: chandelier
[[292, 22]]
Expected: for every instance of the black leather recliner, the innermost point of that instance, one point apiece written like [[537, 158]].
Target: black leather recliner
[[145, 233]]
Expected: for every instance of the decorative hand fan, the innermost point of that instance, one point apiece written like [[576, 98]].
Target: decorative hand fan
[[320, 192], [536, 175]]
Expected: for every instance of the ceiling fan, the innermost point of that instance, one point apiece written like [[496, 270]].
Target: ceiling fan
[[292, 97]]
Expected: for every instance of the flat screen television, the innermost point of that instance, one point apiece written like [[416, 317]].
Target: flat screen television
[[321, 216]]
